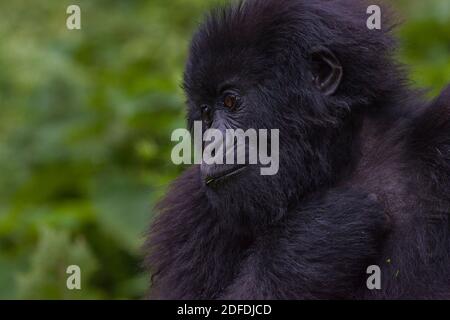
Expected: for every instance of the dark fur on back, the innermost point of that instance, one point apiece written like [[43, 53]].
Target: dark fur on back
[[311, 230]]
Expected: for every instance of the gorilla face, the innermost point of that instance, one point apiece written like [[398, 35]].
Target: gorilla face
[[235, 103]]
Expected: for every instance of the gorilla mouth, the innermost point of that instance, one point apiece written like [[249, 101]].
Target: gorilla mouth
[[221, 175]]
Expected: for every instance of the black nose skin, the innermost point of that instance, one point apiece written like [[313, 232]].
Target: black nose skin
[[206, 115]]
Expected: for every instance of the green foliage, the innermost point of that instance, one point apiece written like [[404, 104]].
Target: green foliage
[[53, 254], [85, 127], [85, 124], [425, 42]]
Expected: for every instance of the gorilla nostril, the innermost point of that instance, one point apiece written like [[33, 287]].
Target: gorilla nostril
[[206, 114], [204, 108]]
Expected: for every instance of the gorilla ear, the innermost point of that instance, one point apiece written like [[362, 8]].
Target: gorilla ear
[[327, 70]]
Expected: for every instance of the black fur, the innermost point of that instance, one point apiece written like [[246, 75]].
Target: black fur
[[364, 174]]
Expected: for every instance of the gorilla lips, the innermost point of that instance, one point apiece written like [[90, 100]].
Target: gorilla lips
[[220, 175]]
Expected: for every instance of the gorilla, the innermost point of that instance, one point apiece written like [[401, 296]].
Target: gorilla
[[364, 164]]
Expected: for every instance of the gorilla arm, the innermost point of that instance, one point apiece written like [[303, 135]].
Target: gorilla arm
[[321, 250]]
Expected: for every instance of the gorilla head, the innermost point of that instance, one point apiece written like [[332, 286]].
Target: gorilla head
[[264, 65]]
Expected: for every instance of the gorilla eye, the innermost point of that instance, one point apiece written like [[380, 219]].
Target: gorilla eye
[[230, 101]]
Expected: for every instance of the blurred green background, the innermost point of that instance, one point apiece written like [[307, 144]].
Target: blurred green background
[[85, 123]]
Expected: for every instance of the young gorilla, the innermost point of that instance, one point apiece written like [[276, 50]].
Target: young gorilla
[[364, 164]]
